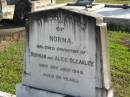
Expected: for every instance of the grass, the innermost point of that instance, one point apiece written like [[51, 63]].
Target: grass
[[11, 60], [120, 62], [62, 1], [114, 1], [101, 1]]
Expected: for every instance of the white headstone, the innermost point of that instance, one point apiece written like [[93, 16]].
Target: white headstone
[[66, 53]]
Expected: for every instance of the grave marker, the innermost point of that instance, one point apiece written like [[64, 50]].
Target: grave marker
[[66, 53]]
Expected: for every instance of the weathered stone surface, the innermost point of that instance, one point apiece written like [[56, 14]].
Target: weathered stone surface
[[25, 91], [66, 52], [113, 12]]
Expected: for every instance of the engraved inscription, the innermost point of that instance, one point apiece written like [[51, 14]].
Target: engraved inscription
[[62, 53], [60, 39]]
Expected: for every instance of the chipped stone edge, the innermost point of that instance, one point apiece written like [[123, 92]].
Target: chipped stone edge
[[26, 91], [4, 94]]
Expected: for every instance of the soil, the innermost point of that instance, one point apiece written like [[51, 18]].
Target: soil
[[9, 34], [125, 41]]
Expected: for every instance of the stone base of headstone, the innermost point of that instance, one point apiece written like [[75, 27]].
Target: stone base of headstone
[[25, 91]]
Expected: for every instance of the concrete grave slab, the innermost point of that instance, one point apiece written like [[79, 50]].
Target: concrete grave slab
[[115, 16], [114, 12]]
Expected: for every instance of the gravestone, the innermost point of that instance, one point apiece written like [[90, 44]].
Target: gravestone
[[66, 54]]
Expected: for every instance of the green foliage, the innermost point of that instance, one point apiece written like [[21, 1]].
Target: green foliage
[[114, 1], [101, 1], [120, 62], [11, 67], [63, 1]]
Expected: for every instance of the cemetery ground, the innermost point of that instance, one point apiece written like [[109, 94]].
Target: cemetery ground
[[11, 64]]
